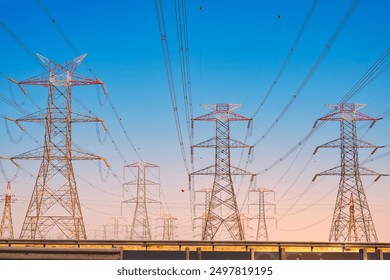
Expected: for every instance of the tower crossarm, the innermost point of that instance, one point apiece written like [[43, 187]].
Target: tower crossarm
[[212, 143], [59, 75], [363, 171], [238, 171], [134, 200], [10, 159], [146, 182], [82, 155], [347, 112], [211, 170], [359, 144], [41, 117], [222, 112], [38, 154]]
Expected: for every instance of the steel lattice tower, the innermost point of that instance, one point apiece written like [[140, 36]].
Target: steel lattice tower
[[168, 227], [6, 226], [262, 232], [222, 209], [55, 203], [140, 228], [204, 206], [352, 219]]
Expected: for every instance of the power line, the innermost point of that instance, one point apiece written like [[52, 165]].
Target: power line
[[288, 57], [21, 44], [182, 34], [312, 70], [369, 76], [168, 69]]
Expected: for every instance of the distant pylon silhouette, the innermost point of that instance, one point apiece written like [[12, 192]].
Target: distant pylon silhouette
[[352, 220], [55, 204], [352, 233], [140, 228], [168, 227], [262, 231], [203, 206], [6, 226], [222, 211]]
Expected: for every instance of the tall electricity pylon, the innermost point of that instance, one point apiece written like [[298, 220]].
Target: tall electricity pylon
[[262, 232], [6, 226], [352, 219], [55, 204], [222, 210], [140, 228]]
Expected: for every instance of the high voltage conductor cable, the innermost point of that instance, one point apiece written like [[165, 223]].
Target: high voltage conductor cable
[[168, 69], [288, 57], [21, 44], [61, 32], [182, 34], [281, 70], [304, 209], [280, 179], [360, 85], [376, 157], [312, 70]]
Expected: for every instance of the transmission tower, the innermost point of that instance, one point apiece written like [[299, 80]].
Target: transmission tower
[[203, 206], [6, 226], [168, 227], [140, 228], [262, 232], [222, 209], [352, 219], [55, 204]]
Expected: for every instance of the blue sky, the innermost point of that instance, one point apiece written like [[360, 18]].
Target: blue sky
[[236, 49]]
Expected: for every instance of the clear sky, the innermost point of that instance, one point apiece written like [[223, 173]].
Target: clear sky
[[236, 49]]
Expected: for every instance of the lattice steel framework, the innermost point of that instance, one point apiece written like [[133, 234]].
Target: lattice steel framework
[[6, 225], [222, 209], [352, 220], [262, 232], [140, 227], [168, 227], [55, 203], [204, 205]]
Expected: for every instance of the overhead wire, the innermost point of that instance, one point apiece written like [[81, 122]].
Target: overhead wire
[[312, 70], [168, 69], [368, 77], [185, 69], [288, 57], [278, 75], [21, 44]]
